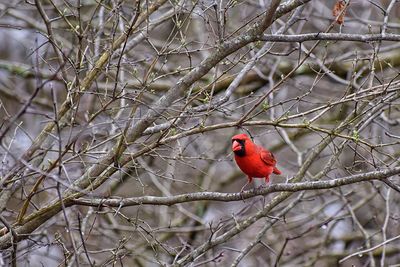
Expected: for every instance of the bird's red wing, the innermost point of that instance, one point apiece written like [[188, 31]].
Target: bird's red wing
[[267, 157]]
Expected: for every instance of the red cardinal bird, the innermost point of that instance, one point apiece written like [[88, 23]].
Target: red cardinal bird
[[253, 160]]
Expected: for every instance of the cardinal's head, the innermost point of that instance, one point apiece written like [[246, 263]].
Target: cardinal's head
[[239, 144]]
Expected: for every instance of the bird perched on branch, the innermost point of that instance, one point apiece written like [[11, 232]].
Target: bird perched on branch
[[255, 161]]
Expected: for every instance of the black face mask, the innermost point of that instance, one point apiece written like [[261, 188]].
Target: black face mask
[[242, 151]]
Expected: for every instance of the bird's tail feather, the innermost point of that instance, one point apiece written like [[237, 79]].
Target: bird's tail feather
[[276, 171]]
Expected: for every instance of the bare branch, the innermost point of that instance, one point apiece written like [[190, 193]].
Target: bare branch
[[227, 197], [366, 38]]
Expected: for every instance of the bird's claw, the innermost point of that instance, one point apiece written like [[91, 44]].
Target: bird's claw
[[242, 191], [262, 186], [241, 194]]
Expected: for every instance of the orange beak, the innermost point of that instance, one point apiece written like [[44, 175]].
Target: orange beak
[[236, 146]]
